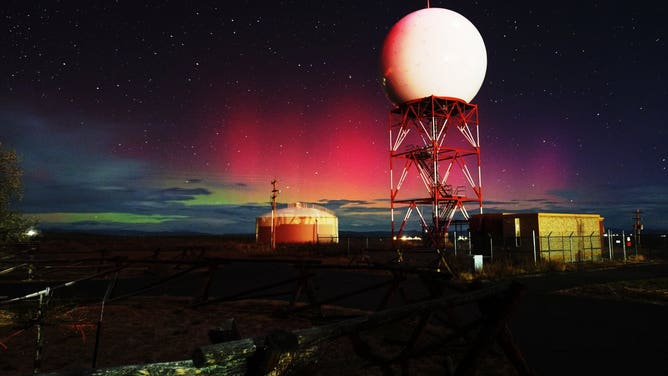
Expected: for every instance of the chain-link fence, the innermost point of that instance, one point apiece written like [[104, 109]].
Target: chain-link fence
[[568, 248], [538, 248], [624, 245], [550, 247]]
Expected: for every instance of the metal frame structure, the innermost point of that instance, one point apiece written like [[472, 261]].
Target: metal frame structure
[[437, 138]]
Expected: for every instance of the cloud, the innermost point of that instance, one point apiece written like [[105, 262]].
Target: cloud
[[54, 154], [615, 202], [71, 171], [360, 215], [179, 194]]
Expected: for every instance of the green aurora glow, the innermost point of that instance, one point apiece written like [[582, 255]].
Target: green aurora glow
[[107, 217]]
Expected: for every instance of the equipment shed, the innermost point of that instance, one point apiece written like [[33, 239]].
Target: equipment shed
[[546, 236]]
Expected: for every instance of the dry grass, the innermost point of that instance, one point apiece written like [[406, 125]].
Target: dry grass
[[503, 268], [650, 291], [636, 258]]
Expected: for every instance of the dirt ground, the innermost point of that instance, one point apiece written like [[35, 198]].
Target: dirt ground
[[157, 329], [139, 330], [150, 329]]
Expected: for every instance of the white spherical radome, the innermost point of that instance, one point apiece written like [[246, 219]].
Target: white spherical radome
[[433, 51]]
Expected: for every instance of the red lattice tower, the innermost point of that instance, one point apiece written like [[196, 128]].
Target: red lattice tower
[[434, 140]]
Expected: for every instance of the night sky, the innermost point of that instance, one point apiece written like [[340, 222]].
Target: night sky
[[176, 116]]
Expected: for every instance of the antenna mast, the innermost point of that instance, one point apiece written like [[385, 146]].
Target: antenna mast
[[274, 194]]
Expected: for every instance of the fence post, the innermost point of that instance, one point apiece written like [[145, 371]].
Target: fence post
[[591, 246], [610, 244], [533, 238], [563, 249], [41, 311], [31, 268], [491, 249], [570, 241], [624, 244], [98, 329], [549, 253], [469, 243], [101, 266]]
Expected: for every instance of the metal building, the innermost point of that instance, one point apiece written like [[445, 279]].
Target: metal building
[[298, 223], [544, 236]]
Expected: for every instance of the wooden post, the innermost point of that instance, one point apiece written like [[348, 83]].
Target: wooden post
[[177, 368], [226, 332], [513, 353], [304, 284], [397, 278], [204, 295], [98, 329], [232, 354], [273, 354], [497, 313], [41, 311]]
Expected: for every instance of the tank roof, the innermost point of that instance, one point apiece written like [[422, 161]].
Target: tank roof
[[301, 209]]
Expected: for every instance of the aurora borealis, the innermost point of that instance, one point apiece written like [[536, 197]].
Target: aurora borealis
[[176, 116]]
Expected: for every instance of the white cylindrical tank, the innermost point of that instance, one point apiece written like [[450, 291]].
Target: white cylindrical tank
[[299, 223]]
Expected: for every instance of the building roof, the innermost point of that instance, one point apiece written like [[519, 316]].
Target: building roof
[[551, 214]]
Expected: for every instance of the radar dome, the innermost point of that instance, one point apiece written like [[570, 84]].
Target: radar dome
[[433, 51]]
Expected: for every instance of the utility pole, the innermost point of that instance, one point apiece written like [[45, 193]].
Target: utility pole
[[637, 227], [274, 194]]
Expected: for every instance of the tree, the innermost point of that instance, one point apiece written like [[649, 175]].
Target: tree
[[13, 224]]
